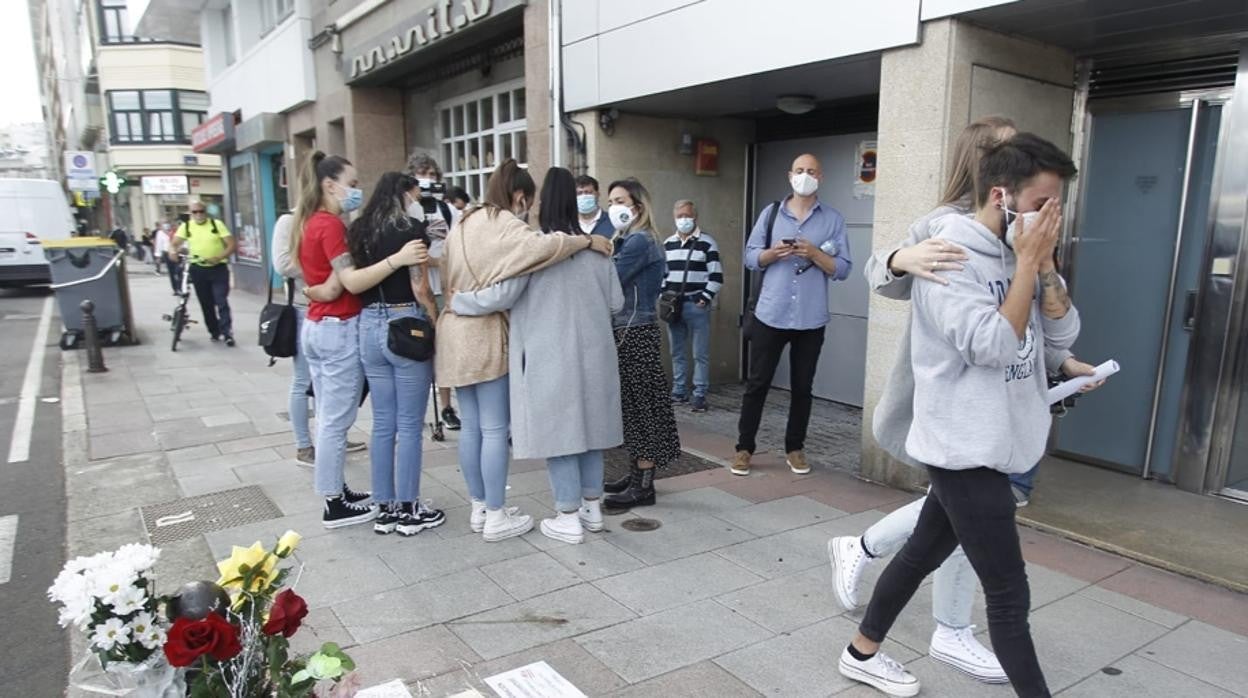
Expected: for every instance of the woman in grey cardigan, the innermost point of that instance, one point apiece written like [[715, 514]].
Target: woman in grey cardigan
[[565, 385]]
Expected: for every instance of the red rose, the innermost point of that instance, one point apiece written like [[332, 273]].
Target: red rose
[[211, 635], [287, 614]]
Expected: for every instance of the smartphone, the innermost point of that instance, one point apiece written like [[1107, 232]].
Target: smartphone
[[789, 241]]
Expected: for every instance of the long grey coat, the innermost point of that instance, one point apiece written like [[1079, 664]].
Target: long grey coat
[[565, 383]]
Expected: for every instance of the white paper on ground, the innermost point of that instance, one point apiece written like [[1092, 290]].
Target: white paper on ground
[[536, 680], [390, 689], [1065, 389]]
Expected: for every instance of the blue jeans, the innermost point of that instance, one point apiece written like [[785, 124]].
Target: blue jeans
[[695, 320], [575, 477], [299, 382], [1026, 481], [400, 392], [332, 348], [485, 412]]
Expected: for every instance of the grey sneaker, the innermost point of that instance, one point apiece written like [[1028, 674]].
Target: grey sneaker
[[1021, 498], [356, 446], [306, 456]]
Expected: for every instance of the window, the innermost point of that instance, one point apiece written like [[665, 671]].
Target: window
[[156, 116], [114, 22], [478, 131], [227, 34], [272, 12]]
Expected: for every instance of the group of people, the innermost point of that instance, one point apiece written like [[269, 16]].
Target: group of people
[[556, 322]]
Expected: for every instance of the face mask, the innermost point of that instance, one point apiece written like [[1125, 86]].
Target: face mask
[[586, 203], [353, 199], [424, 182], [1029, 219], [621, 216], [415, 210], [684, 226], [803, 184]]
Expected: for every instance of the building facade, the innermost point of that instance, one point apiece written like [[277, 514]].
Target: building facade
[[24, 151]]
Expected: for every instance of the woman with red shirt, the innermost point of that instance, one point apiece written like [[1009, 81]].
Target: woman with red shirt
[[330, 337]]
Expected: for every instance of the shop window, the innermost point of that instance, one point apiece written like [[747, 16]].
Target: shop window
[[480, 130], [155, 116]]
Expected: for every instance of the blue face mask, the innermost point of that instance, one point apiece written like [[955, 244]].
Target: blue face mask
[[586, 203], [353, 199]]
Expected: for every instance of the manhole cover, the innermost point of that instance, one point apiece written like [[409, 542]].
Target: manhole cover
[[641, 525], [191, 516]]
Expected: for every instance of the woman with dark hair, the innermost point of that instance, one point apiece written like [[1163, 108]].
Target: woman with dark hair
[[649, 424], [330, 337], [563, 311], [399, 385], [492, 243]]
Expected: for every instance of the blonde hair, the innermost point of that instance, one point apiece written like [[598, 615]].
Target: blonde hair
[[316, 169], [641, 199], [978, 136]]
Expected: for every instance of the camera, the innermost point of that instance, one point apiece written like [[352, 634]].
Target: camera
[[432, 190]]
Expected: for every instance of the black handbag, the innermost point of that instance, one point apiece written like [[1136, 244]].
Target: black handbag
[[671, 303], [409, 337], [279, 326]]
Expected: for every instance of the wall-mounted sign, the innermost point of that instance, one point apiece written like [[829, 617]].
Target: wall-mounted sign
[[165, 184], [80, 170], [706, 158], [213, 135], [424, 28], [865, 169], [190, 159]]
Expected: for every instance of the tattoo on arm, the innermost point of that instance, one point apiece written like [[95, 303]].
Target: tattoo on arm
[[342, 262], [1054, 300]]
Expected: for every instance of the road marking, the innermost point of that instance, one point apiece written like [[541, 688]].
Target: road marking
[[8, 537], [19, 447]]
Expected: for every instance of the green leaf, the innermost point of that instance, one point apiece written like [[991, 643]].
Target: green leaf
[[299, 677]]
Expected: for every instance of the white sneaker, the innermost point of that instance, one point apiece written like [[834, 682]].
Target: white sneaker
[[501, 524], [960, 649], [591, 514], [564, 527], [477, 520], [880, 671], [849, 561]]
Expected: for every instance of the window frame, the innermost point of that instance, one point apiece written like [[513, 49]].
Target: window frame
[[513, 132], [120, 13], [171, 120], [272, 14]]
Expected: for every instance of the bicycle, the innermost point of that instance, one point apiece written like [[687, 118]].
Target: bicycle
[[180, 318]]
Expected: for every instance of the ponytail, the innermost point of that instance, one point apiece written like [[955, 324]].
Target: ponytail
[[316, 169]]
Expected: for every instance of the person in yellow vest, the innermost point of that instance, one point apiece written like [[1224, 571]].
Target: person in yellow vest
[[209, 244]]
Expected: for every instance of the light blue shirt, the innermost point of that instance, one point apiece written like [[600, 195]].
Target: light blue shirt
[[789, 300]]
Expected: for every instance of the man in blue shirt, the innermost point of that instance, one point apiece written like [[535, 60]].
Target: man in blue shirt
[[592, 218], [808, 248]]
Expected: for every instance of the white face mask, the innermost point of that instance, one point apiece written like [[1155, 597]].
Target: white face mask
[[1029, 220], [684, 226], [803, 184], [621, 216]]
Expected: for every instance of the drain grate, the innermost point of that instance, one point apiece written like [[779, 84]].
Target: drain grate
[[640, 525], [191, 516]]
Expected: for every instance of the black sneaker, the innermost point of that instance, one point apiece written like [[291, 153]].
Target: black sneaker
[[415, 517], [356, 497], [216, 338], [387, 519], [698, 404], [450, 419], [229, 340], [340, 512]]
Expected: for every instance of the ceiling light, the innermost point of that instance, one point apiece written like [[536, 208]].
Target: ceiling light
[[795, 104]]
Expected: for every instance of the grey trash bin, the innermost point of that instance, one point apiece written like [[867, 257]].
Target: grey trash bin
[[90, 268]]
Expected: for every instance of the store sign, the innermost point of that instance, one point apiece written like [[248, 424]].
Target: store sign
[[422, 29], [209, 136], [166, 184], [80, 170]]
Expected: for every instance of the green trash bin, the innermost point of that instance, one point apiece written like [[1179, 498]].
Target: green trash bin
[[91, 268]]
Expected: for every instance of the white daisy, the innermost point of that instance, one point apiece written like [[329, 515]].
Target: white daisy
[[109, 634], [139, 556], [111, 580], [128, 601]]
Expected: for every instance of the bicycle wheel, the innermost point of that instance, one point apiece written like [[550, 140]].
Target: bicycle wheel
[[179, 323]]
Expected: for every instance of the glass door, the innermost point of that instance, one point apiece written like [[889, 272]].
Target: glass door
[[1137, 258]]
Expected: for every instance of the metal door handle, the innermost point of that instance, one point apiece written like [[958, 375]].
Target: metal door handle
[[1189, 312]]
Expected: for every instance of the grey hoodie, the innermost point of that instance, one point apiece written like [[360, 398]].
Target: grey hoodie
[[979, 393]]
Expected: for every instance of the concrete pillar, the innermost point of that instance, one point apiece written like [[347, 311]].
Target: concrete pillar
[[374, 132], [928, 93], [537, 88]]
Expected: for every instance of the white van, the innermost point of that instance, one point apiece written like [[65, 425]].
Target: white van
[[31, 210]]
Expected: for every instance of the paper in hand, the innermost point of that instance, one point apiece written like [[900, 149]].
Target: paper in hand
[[1065, 389]]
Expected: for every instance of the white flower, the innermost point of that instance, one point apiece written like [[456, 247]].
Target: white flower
[[146, 632], [129, 600], [111, 580], [139, 556], [73, 592], [89, 563], [109, 634]]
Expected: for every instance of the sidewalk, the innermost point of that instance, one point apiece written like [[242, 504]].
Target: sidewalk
[[729, 597]]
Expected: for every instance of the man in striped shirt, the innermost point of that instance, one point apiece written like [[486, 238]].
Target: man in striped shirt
[[693, 268]]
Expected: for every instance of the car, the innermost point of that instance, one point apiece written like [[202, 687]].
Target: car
[[31, 210]]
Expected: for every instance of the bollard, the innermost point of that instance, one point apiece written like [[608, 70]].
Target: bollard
[[95, 357]]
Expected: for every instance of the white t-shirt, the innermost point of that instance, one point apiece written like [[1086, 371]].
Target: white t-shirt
[[587, 227]]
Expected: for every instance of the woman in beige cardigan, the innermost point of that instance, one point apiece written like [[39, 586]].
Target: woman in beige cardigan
[[490, 244]]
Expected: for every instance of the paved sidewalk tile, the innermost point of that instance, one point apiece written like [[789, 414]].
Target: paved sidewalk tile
[[688, 537], [706, 501], [701, 680], [781, 515], [421, 654], [595, 559], [1074, 640], [647, 647], [782, 554], [438, 600], [785, 604], [530, 575], [441, 557], [562, 614], [676, 583], [1205, 652], [118, 484], [328, 581], [1141, 678], [125, 443], [582, 669], [1135, 607]]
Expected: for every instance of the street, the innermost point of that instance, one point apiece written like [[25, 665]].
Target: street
[[32, 494]]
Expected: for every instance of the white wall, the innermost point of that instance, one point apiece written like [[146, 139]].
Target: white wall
[[274, 75], [615, 50]]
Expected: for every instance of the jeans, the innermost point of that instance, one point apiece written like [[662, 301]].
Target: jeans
[[485, 413], [299, 382], [333, 353], [1026, 481], [953, 587], [212, 288], [400, 390], [975, 508], [575, 477], [766, 346], [696, 320]]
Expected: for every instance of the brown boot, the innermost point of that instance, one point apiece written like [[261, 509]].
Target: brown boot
[[797, 462], [741, 464]]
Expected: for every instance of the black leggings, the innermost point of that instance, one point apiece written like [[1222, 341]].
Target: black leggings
[[974, 508]]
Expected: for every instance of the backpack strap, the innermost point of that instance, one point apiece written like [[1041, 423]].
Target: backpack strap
[[771, 223]]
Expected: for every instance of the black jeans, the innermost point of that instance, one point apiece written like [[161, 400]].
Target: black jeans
[[976, 509], [175, 274], [212, 288], [766, 346]]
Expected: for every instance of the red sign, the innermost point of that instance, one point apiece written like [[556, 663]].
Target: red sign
[[210, 133], [706, 158]]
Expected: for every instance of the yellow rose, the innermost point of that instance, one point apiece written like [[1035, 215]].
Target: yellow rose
[[287, 543], [260, 564]]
